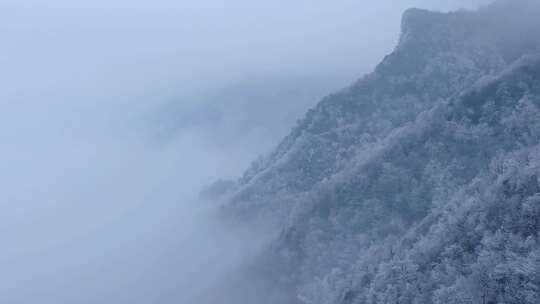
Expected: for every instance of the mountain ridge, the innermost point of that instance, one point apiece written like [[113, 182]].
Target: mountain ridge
[[403, 187]]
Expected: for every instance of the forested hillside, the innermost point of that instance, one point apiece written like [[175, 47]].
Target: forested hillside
[[420, 182]]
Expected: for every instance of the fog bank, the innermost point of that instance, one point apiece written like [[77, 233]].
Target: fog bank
[[95, 211]]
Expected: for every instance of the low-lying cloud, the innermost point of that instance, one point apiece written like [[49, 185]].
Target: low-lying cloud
[[93, 211]]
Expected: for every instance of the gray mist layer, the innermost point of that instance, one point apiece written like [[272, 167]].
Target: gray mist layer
[[97, 205]]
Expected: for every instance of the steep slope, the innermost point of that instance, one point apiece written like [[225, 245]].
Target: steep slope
[[438, 55], [418, 183], [446, 210]]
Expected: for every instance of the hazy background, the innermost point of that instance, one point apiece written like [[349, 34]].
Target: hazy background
[[114, 114]]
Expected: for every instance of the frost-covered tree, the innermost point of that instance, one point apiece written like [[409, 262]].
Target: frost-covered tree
[[419, 183]]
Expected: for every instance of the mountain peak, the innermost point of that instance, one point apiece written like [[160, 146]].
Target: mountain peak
[[420, 25], [416, 20]]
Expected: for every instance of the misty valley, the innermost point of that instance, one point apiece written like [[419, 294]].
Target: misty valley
[[270, 153]]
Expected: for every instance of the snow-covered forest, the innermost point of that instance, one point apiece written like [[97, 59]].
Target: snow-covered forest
[[419, 183], [241, 152]]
